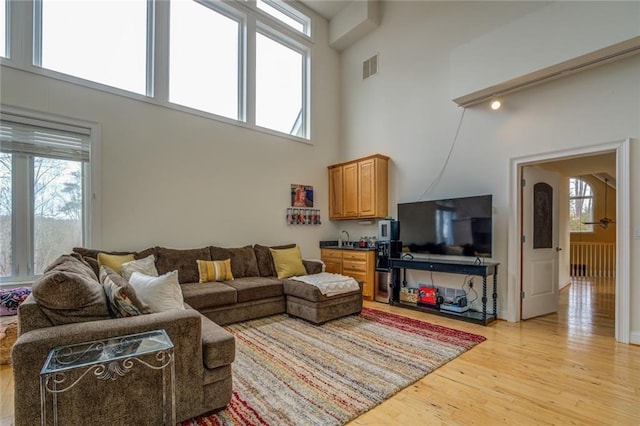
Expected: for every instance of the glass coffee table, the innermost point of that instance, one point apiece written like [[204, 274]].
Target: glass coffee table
[[108, 359]]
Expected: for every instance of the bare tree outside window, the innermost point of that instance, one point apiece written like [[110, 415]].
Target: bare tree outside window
[[6, 261], [580, 205], [57, 210]]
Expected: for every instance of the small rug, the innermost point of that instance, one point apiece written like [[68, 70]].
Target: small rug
[[290, 372]]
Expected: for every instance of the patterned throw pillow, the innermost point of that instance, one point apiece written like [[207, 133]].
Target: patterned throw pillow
[[145, 266], [12, 298], [118, 295], [214, 270]]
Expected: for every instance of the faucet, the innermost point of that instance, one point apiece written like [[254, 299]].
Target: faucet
[[348, 239]]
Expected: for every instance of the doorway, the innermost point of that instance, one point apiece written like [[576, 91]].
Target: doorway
[[516, 255]]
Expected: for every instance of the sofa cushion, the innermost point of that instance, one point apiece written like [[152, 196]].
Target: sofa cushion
[[91, 255], [243, 260], [145, 266], [265, 260], [208, 295], [184, 261], [311, 293], [214, 270], [120, 294], [69, 292], [256, 288], [288, 262], [218, 345], [161, 293]]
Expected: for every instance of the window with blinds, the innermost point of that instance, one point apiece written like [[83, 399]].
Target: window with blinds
[[44, 180]]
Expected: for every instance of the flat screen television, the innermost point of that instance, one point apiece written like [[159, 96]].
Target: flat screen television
[[455, 226]]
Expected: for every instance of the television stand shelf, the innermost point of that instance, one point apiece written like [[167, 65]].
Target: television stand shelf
[[484, 270]]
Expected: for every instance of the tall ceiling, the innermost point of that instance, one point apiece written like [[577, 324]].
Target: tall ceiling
[[326, 8]]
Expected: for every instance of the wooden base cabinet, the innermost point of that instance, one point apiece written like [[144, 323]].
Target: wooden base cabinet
[[359, 189], [357, 264], [332, 260]]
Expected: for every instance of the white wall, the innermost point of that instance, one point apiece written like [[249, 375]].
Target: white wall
[[406, 112], [180, 180]]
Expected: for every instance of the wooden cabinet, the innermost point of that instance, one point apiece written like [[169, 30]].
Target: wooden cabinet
[[357, 264], [332, 260], [358, 189]]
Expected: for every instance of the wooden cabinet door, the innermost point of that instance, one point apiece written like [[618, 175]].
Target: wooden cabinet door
[[332, 266], [350, 188], [367, 187], [332, 260], [358, 189], [361, 266], [336, 193]]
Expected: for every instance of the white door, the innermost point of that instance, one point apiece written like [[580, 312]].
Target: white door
[[540, 243]]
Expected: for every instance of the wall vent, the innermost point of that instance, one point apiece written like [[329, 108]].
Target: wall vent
[[370, 67]]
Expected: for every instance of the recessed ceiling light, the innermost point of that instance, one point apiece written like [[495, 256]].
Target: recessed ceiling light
[[496, 104]]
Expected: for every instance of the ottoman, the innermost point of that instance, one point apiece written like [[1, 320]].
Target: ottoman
[[307, 302]]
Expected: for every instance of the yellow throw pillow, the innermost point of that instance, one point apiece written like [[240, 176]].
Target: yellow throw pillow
[[113, 261], [288, 262], [214, 270]]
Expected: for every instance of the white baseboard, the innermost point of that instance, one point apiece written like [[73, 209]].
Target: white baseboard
[[634, 338]]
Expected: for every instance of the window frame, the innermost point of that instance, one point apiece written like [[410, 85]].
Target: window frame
[[589, 228], [23, 254], [305, 52], [21, 39]]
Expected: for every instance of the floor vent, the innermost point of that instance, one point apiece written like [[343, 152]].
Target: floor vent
[[370, 67]]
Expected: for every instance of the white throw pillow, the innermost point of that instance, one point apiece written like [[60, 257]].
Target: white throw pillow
[[161, 293], [146, 266]]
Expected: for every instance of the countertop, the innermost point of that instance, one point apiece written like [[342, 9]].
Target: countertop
[[345, 246]]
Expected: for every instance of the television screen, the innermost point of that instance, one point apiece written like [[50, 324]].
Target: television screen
[[456, 227]]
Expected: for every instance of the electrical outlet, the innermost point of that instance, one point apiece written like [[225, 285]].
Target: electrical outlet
[[470, 283]]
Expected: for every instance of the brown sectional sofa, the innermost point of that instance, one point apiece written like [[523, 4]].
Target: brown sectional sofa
[[204, 351]]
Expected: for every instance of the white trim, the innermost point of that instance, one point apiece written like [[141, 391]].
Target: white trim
[[635, 338], [622, 320]]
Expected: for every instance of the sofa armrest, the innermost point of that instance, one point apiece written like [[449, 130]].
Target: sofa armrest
[[313, 266], [31, 349]]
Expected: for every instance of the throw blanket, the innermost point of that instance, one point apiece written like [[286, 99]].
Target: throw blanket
[[330, 284]]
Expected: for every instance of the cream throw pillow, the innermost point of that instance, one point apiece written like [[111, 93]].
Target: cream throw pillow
[[288, 262], [146, 266], [161, 293]]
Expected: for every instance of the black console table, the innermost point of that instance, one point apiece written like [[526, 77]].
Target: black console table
[[484, 270]]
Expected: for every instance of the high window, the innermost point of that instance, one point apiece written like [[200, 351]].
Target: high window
[[44, 181], [246, 61], [580, 205], [280, 72], [204, 59], [101, 41], [286, 14]]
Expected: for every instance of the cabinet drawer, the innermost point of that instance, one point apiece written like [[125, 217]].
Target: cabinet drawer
[[353, 265], [331, 254], [355, 255], [358, 276]]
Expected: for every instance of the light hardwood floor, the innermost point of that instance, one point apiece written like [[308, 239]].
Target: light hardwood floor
[[560, 369]]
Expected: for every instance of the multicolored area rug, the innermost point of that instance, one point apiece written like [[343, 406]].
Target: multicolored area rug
[[290, 372]]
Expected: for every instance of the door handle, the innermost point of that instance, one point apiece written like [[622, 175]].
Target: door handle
[[558, 248]]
